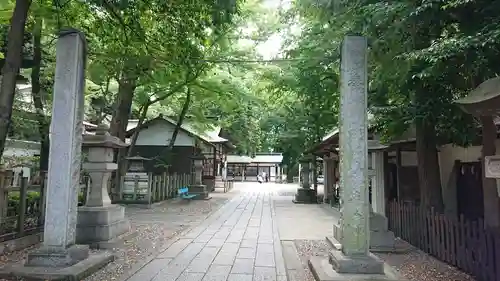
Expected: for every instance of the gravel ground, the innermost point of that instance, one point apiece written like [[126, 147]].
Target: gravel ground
[[155, 227], [415, 265], [309, 248], [152, 228], [419, 266]]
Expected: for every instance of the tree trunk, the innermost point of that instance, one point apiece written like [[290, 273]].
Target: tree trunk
[[121, 115], [490, 195], [184, 110], [123, 165], [168, 151], [13, 60], [43, 124], [428, 166], [119, 122], [140, 122]]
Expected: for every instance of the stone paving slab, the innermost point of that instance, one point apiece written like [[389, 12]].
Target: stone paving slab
[[238, 242]]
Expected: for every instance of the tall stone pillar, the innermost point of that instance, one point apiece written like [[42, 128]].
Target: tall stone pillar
[[65, 156], [59, 257], [354, 228], [352, 261]]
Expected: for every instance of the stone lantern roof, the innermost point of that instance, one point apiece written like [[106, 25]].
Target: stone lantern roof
[[103, 138], [138, 158], [484, 100]]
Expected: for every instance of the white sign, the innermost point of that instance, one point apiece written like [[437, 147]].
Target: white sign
[[492, 166]]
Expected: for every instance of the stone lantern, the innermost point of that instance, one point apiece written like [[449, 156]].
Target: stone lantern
[[197, 187], [305, 194], [100, 221], [133, 188], [136, 163]]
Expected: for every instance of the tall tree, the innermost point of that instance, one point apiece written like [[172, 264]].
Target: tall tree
[[11, 66]]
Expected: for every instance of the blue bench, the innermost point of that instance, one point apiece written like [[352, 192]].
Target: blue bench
[[184, 193]]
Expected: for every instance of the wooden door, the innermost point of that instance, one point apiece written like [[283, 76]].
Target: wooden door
[[470, 190]]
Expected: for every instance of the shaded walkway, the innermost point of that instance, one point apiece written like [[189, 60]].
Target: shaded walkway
[[240, 242]]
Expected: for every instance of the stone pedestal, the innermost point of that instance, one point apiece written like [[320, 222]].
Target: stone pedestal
[[305, 196], [381, 238], [201, 191], [353, 261], [100, 226], [210, 183]]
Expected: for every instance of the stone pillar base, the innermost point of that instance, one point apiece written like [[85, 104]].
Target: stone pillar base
[[201, 192], [210, 183], [369, 264], [47, 257], [73, 263], [339, 267], [381, 240], [305, 196], [100, 225]]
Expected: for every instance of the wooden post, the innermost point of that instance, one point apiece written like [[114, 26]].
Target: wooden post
[[3, 195], [169, 194], [120, 190], [136, 187], [150, 187], [398, 173], [164, 187], [22, 205], [43, 198], [158, 187]]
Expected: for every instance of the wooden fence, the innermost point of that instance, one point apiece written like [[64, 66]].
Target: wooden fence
[[456, 241], [22, 208], [22, 203], [147, 188]]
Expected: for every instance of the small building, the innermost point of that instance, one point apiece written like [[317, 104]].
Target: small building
[[154, 138], [460, 170], [245, 168]]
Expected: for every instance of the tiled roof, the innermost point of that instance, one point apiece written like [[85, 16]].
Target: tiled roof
[[210, 135]]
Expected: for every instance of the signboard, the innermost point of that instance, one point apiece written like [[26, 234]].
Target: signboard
[[492, 166]]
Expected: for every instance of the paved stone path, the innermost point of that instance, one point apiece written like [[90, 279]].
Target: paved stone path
[[239, 242]]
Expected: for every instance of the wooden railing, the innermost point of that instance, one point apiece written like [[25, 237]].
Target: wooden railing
[[465, 244]]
